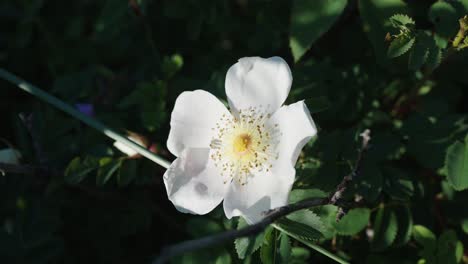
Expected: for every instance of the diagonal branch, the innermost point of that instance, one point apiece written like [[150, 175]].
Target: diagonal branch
[[217, 239], [271, 216]]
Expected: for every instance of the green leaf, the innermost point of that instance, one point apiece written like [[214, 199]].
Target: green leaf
[[107, 167], [418, 54], [353, 222], [399, 184], [297, 195], [308, 218], [310, 244], [434, 57], [401, 20], [449, 249], [424, 236], [299, 255], [456, 162], [269, 247], [385, 228], [400, 45], [284, 248], [445, 18], [299, 229], [405, 225], [374, 15], [327, 215], [276, 248], [78, 169], [464, 225], [246, 246], [310, 20]]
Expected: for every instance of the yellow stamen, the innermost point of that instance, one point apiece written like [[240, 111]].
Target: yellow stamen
[[242, 143]]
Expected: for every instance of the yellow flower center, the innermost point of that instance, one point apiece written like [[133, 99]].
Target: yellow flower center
[[245, 144], [242, 143]]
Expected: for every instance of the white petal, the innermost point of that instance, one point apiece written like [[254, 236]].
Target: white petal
[[192, 182], [255, 81], [127, 150], [10, 156], [297, 128], [194, 115], [262, 192]]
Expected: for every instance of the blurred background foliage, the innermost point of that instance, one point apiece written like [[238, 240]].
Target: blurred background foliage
[[355, 63]]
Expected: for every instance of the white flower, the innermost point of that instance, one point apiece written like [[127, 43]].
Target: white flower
[[10, 155], [245, 156]]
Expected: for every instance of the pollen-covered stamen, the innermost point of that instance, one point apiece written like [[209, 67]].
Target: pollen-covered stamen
[[244, 144]]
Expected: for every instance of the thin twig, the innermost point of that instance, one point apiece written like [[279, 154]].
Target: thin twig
[[341, 188], [271, 216]]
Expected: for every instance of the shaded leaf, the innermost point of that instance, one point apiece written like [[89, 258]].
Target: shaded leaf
[[400, 45], [399, 184], [374, 15], [424, 236], [268, 251], [245, 246], [405, 225], [385, 228], [353, 222], [420, 51], [297, 195], [434, 56], [399, 20], [449, 249], [78, 169], [464, 225], [299, 229], [107, 167], [445, 18], [308, 218], [456, 162], [299, 255], [310, 20]]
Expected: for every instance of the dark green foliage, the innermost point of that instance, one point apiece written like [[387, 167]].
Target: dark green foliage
[[456, 162], [445, 249], [353, 222], [247, 245], [398, 68], [386, 228], [310, 20], [400, 45], [276, 248]]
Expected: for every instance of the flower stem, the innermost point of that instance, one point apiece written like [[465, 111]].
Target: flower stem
[[23, 85], [312, 245]]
